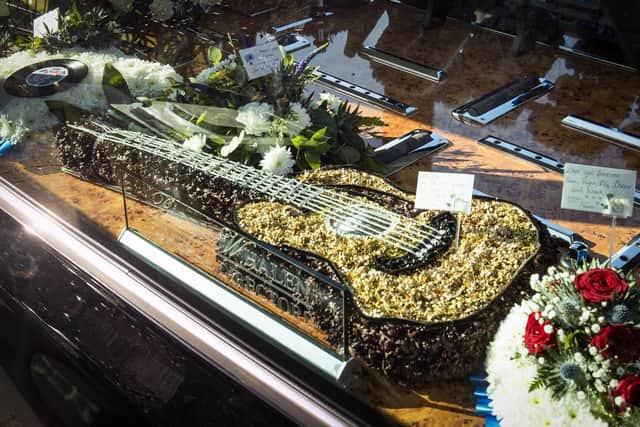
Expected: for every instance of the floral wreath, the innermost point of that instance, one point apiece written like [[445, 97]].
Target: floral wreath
[[570, 355]]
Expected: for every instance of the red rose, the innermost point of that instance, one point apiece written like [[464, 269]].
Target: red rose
[[629, 389], [535, 338], [618, 340], [599, 285]]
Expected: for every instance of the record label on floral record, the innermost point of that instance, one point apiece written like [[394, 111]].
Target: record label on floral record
[[45, 78]]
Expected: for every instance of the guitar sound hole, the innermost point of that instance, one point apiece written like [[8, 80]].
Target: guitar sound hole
[[359, 222]]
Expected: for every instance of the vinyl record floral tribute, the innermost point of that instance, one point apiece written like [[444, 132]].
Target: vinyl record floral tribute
[[103, 68], [570, 355]]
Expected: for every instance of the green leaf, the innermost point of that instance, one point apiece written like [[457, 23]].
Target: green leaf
[[215, 55], [312, 158], [370, 164], [66, 112], [115, 87], [319, 135], [301, 142], [218, 140], [322, 118], [201, 118], [74, 15], [287, 59], [298, 141], [348, 155], [215, 75]]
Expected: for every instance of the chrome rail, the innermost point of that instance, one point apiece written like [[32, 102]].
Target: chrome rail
[[533, 157], [363, 94]]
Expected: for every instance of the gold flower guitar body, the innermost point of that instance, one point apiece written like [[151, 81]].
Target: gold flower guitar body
[[387, 280], [392, 241]]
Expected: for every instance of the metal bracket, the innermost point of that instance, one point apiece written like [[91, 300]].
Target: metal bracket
[[323, 359], [301, 22], [418, 140], [628, 256], [292, 42], [518, 151], [363, 94], [402, 64], [501, 101], [533, 157]]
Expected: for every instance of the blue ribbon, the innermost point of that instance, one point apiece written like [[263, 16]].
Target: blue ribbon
[[483, 406], [481, 392], [5, 146], [483, 401], [492, 422], [478, 378]]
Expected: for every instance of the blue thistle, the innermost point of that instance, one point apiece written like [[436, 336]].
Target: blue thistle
[[569, 371], [620, 313], [570, 308], [569, 311]]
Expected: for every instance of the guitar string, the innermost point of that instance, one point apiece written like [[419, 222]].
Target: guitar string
[[328, 204], [244, 172], [174, 151]]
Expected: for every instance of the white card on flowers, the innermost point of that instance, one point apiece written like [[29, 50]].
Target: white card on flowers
[[597, 189], [444, 191], [47, 21], [261, 60], [4, 8]]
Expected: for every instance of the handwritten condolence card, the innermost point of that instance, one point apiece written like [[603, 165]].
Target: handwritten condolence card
[[444, 191], [261, 60], [597, 189], [47, 23]]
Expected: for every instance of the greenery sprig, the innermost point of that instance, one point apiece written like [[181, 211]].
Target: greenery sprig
[[94, 29], [334, 132]]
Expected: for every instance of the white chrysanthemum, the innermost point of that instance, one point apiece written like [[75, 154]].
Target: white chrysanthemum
[[195, 142], [203, 77], [278, 161], [123, 5], [298, 119], [10, 131], [333, 102], [509, 379], [161, 10], [232, 145], [228, 63], [144, 78], [256, 117]]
